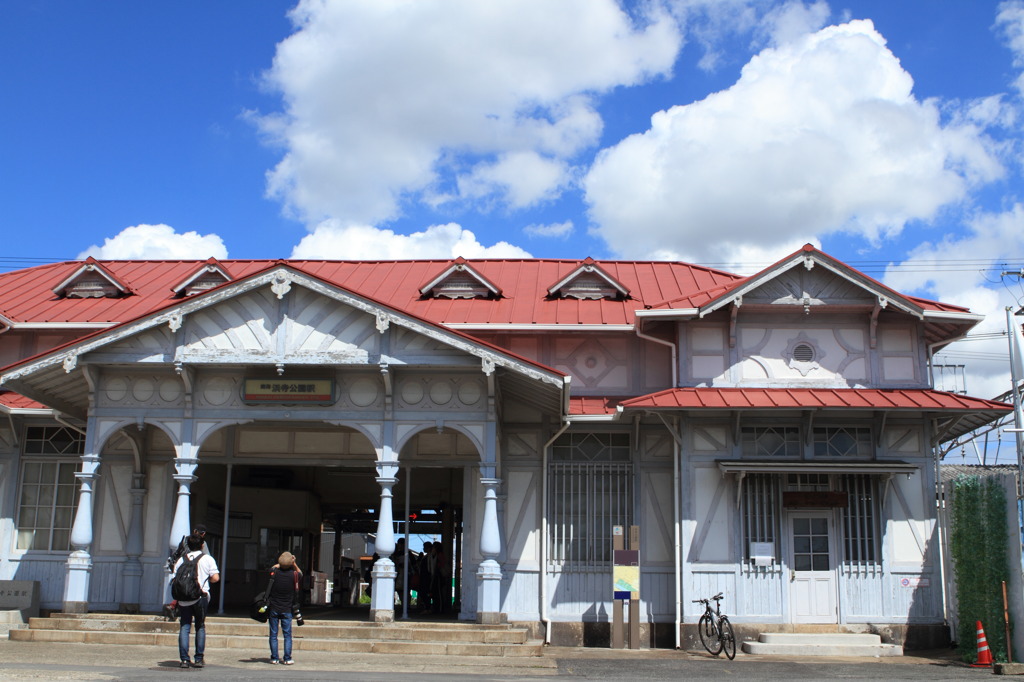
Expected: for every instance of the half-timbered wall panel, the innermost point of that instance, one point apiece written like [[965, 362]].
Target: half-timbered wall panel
[[713, 533], [522, 518]]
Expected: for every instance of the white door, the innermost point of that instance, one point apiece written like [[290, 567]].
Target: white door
[[812, 588]]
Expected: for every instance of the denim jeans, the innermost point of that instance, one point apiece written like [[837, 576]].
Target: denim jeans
[[285, 619], [197, 611]]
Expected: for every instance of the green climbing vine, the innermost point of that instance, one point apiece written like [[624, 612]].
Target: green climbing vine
[[978, 548]]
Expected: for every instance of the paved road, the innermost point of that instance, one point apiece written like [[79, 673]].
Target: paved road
[[38, 660]]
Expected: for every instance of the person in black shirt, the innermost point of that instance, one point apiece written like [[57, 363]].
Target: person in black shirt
[[283, 594]]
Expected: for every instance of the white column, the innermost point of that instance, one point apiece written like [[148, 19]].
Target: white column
[[131, 573], [489, 572], [382, 602], [76, 590], [184, 474]]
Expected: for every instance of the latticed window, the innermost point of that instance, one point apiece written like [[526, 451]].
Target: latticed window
[[49, 493], [760, 511], [813, 482], [49, 490], [771, 441], [860, 520], [590, 490], [53, 440], [842, 442]]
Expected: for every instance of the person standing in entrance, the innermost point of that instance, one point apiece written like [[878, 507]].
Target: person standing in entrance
[[207, 573], [283, 594]]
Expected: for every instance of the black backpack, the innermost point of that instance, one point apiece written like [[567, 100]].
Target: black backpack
[[185, 586]]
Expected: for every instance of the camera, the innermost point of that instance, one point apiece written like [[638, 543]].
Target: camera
[[297, 614]]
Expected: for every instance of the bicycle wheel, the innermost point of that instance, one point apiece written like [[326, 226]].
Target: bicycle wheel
[[728, 637], [709, 636]]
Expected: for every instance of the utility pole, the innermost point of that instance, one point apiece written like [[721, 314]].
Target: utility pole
[[1016, 369], [1013, 332]]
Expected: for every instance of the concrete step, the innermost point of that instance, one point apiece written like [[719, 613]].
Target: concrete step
[[820, 644], [312, 629], [299, 643], [463, 639], [9, 617], [6, 628]]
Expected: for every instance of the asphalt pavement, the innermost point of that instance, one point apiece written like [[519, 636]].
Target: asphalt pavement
[[59, 661]]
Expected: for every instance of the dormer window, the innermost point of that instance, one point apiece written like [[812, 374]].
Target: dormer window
[[589, 282], [460, 280], [211, 274], [91, 280]]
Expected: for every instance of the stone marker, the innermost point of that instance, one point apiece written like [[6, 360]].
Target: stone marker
[[21, 595]]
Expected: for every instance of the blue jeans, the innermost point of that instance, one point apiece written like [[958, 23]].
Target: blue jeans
[[187, 613], [285, 619]]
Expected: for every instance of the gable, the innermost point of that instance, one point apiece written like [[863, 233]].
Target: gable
[[91, 281], [814, 287], [588, 282], [211, 274], [460, 280]]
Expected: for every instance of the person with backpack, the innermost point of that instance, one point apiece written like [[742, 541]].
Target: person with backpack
[[284, 593], [190, 586], [172, 560]]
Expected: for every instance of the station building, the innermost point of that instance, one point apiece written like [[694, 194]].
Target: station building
[[773, 437]]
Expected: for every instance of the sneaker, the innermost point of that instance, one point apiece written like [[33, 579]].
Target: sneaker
[[198, 664], [289, 662], [274, 661], [184, 664]]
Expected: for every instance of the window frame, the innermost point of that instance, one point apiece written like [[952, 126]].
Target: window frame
[[573, 502], [61, 458]]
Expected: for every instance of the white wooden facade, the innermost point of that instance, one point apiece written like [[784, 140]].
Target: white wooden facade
[[160, 400]]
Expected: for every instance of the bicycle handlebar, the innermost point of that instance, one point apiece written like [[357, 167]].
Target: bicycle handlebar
[[717, 597]]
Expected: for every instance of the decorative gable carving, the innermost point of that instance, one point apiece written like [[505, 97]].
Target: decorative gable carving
[[588, 281], [91, 280], [460, 280], [211, 274], [800, 286]]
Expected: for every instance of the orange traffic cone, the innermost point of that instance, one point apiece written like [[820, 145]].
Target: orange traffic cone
[[984, 655]]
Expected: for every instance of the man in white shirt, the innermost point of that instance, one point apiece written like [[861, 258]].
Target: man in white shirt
[[207, 572]]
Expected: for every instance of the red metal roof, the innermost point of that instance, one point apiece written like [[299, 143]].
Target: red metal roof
[[589, 405], [15, 401], [26, 296], [804, 398]]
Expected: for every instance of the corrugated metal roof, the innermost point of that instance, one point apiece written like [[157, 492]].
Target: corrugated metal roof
[[13, 401], [592, 405], [26, 296], [812, 398]]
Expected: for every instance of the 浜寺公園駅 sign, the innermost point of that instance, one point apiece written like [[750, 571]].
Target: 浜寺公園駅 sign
[[289, 391]]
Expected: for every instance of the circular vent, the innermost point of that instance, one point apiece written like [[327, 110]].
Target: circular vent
[[803, 352]]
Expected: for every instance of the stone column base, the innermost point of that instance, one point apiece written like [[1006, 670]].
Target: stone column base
[[75, 607], [382, 615], [491, 618]]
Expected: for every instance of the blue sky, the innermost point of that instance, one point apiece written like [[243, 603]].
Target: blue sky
[[725, 132]]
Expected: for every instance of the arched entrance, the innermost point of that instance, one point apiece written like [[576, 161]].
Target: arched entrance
[[311, 488]]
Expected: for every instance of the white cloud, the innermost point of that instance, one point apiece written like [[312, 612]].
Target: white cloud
[[789, 21], [523, 178], [334, 240], [558, 230], [989, 237], [389, 101], [1010, 20], [157, 242], [819, 135]]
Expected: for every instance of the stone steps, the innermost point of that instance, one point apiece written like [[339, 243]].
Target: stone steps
[[820, 644], [11, 620], [461, 639]]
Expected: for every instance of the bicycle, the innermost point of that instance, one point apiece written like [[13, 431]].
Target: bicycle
[[715, 630]]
